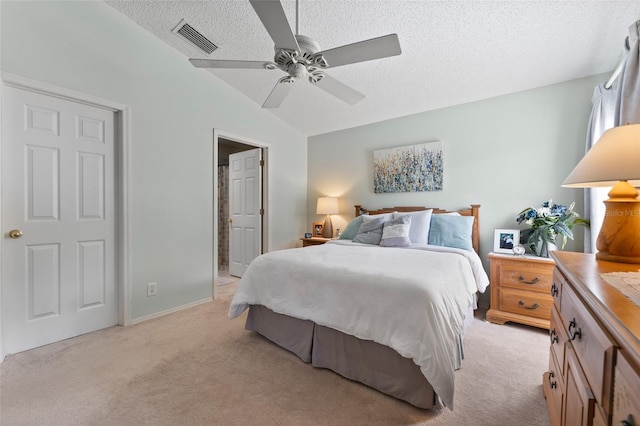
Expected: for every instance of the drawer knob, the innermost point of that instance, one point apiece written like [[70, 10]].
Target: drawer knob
[[572, 334], [554, 336], [554, 290], [533, 281], [532, 307], [552, 383], [628, 421]]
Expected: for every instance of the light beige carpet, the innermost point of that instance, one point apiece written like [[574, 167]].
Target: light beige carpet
[[196, 367]]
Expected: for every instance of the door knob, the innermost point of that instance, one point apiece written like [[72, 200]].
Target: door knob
[[15, 233]]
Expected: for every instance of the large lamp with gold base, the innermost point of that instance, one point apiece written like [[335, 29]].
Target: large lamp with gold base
[[615, 161]]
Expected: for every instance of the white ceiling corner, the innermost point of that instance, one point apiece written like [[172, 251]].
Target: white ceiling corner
[[453, 52]]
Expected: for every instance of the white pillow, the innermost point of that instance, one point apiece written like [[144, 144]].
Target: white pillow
[[420, 223], [384, 216]]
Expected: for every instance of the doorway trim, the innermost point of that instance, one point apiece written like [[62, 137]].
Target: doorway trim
[[122, 175], [266, 231]]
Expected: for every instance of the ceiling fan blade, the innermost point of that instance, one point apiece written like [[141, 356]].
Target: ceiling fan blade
[[339, 90], [275, 21], [366, 50], [219, 63], [277, 95]]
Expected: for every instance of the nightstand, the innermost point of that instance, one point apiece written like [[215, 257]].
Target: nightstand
[[315, 241], [521, 289]]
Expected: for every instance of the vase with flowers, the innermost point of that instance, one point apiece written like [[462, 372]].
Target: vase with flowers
[[546, 223]]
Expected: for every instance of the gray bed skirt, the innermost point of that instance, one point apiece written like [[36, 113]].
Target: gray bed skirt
[[365, 361]]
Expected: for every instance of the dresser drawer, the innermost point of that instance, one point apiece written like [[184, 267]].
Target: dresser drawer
[[530, 276], [528, 303], [591, 344], [556, 288], [558, 337], [553, 389], [626, 392]]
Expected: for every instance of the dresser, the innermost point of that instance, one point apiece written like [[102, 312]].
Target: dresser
[[520, 289], [594, 355]]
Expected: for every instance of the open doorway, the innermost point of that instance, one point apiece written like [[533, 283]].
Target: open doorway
[[239, 226]]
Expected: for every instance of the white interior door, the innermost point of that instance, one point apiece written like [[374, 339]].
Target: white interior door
[[245, 235], [58, 276]]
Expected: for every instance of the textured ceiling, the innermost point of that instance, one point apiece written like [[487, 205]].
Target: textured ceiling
[[453, 52]]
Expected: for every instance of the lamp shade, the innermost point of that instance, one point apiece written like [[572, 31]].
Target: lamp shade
[[327, 205], [615, 157]]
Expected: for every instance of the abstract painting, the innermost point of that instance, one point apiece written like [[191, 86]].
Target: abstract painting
[[408, 168]]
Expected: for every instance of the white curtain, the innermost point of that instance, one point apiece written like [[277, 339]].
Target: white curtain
[[618, 105], [628, 103]]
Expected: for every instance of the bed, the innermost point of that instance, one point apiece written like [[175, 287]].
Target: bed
[[390, 315]]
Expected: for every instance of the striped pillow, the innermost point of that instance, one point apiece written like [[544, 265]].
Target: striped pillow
[[396, 232]]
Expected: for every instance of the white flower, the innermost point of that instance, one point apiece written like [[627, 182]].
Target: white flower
[[543, 211]]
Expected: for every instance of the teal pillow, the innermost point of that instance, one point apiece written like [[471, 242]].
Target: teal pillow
[[351, 230], [451, 231]]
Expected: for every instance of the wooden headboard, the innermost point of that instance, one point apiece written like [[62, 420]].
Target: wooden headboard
[[474, 211]]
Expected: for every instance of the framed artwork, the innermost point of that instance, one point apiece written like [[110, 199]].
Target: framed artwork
[[505, 239], [409, 168], [318, 228]]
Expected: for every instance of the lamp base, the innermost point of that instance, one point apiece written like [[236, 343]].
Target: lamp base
[[619, 238], [327, 229]]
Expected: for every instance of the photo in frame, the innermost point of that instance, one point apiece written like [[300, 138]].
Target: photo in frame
[[318, 228], [505, 240]]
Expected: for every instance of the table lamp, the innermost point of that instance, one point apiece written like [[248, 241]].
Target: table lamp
[[615, 161], [327, 206]]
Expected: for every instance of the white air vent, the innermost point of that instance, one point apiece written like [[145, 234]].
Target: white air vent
[[194, 37]]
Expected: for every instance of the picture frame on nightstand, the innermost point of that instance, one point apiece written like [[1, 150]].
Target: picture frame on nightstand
[[318, 228], [505, 239]]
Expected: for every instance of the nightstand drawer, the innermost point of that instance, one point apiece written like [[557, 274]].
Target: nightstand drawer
[[532, 304], [526, 276]]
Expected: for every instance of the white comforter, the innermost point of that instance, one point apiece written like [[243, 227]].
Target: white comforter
[[411, 299]]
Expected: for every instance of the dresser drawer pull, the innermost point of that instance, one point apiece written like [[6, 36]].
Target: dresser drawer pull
[[532, 307], [572, 335], [552, 383], [628, 421], [553, 336], [533, 281], [554, 290]]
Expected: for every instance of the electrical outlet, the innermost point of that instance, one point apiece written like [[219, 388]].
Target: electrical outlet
[[152, 289]]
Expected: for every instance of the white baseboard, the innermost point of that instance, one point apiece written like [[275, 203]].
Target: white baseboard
[[169, 311]]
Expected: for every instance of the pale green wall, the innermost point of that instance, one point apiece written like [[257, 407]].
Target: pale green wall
[[91, 48], [505, 153]]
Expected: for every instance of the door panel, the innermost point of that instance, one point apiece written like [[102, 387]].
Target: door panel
[[245, 203], [58, 165]]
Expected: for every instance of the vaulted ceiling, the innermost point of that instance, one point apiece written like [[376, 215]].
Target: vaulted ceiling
[[453, 52]]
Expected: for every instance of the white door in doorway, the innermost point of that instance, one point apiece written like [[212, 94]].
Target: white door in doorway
[[245, 236], [58, 213]]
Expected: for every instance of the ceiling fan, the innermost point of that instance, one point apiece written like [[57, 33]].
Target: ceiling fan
[[300, 56]]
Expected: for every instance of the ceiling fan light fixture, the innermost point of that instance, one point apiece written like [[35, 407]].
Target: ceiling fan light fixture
[[287, 79], [315, 76]]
